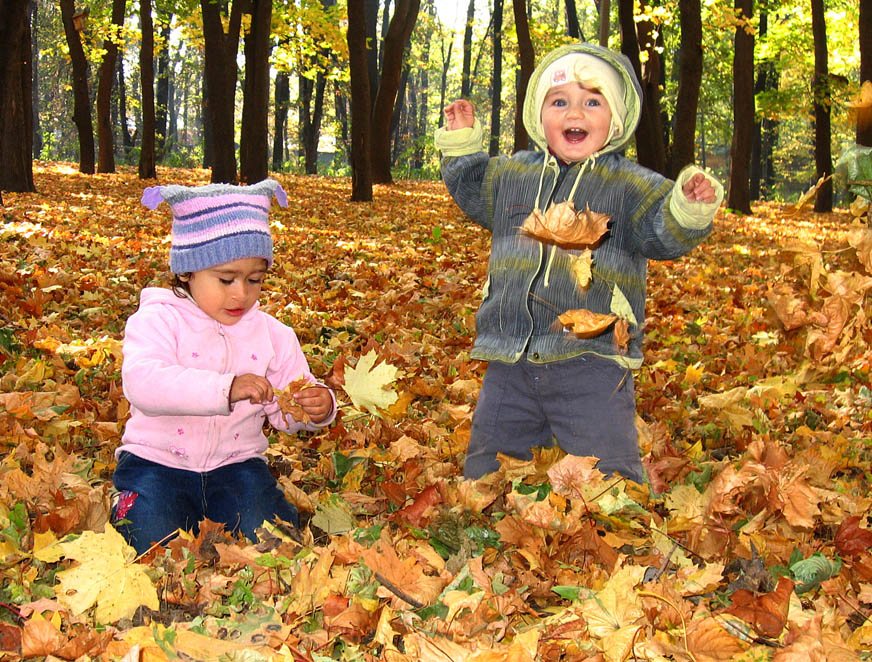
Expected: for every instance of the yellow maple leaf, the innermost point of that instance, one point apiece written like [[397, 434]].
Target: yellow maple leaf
[[106, 575], [613, 614], [580, 267], [365, 384], [586, 323], [561, 224]]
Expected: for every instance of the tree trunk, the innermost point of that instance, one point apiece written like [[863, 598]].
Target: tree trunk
[[105, 137], [864, 116], [573, 29], [162, 99], [361, 107], [683, 151], [764, 73], [605, 22], [527, 59], [81, 98], [280, 121], [220, 65], [399, 31], [650, 148], [254, 137], [497, 80], [823, 156], [34, 86], [467, 51], [340, 104], [126, 138], [739, 195], [147, 169], [311, 111], [16, 93], [443, 83], [372, 45]]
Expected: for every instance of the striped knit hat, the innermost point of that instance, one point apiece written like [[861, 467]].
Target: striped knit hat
[[217, 223]]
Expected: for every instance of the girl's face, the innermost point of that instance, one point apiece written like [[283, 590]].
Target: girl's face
[[576, 121], [227, 291]]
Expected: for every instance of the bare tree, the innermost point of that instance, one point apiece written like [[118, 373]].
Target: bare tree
[[465, 84], [16, 125], [361, 106], [253, 140], [823, 156], [739, 194], [497, 80], [105, 136], [147, 168], [81, 98], [527, 59], [689, 81]]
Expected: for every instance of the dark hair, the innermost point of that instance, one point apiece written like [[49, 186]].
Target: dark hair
[[181, 288]]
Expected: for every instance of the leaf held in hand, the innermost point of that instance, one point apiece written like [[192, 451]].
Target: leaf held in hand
[[288, 405], [564, 226]]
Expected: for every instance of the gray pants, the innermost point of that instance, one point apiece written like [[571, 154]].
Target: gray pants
[[586, 403]]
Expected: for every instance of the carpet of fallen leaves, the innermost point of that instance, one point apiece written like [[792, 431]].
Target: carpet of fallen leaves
[[752, 540]]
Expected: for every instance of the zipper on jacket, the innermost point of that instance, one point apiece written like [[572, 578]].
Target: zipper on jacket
[[214, 425]]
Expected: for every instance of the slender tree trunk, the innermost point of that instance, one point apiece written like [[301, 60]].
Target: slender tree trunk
[[105, 137], [126, 138], [280, 121], [34, 86], [864, 116], [81, 98], [340, 105], [147, 168], [311, 113], [527, 59], [497, 80], [760, 85], [467, 50], [206, 124], [16, 93], [443, 83], [220, 56], [605, 12], [573, 29], [162, 98], [683, 151], [254, 138], [739, 195], [823, 156], [399, 31], [361, 106], [397, 115], [372, 45]]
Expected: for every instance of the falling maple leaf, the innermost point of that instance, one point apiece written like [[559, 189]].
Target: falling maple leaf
[[561, 224], [366, 384], [106, 576]]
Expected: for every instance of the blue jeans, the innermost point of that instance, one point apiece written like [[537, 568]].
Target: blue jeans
[[156, 500], [587, 403]]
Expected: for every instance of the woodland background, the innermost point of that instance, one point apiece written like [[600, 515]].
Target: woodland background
[[752, 539]]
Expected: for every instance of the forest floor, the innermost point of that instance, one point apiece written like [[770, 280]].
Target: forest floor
[[751, 541]]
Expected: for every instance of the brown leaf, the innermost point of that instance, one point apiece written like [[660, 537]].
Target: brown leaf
[[851, 540], [564, 226], [286, 401], [586, 323], [767, 613]]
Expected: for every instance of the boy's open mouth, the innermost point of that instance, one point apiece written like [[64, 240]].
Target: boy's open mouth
[[575, 135]]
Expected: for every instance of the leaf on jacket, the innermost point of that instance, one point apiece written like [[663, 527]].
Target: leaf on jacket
[[288, 405], [561, 224], [580, 267], [586, 323]]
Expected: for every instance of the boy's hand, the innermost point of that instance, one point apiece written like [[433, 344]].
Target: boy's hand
[[699, 189], [316, 402], [254, 388], [459, 115]]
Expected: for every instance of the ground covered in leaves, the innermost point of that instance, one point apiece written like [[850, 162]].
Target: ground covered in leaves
[[750, 542]]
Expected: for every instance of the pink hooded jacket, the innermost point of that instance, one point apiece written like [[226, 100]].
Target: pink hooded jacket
[[178, 367]]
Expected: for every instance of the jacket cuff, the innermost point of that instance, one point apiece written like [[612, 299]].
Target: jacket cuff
[[459, 142], [690, 214]]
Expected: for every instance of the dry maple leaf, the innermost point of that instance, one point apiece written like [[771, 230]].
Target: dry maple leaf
[[580, 266], [586, 323], [564, 226], [767, 613], [288, 405]]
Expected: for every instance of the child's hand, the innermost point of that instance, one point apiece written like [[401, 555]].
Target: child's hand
[[254, 388], [316, 402], [699, 189], [459, 115]]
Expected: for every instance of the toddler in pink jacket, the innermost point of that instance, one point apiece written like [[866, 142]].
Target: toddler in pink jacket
[[200, 365]]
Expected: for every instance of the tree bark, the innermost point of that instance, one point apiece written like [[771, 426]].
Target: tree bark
[[372, 45], [254, 137], [399, 31], [311, 112], [162, 98], [16, 93], [220, 56], [280, 118], [573, 29], [864, 116], [823, 156], [761, 174], [126, 138], [739, 194], [467, 51], [443, 82], [105, 137], [81, 98], [497, 84], [147, 168], [361, 107], [34, 86], [683, 151], [527, 59]]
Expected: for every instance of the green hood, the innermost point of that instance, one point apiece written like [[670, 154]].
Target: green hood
[[632, 93]]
